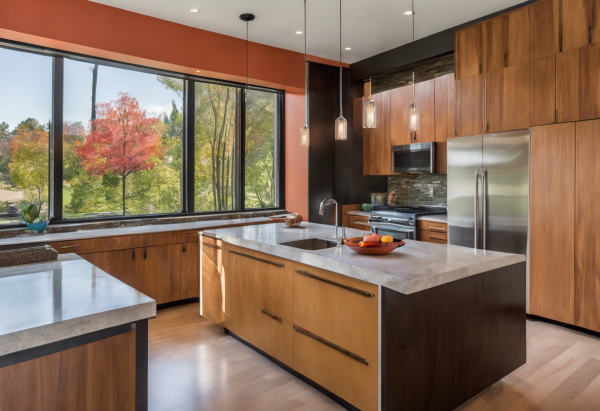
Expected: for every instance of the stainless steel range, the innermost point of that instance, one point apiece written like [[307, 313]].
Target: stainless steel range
[[400, 222]]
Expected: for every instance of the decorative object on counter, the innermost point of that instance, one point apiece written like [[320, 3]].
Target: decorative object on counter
[[21, 256], [374, 249], [390, 198], [31, 213], [304, 131], [368, 207], [293, 221], [378, 198], [341, 125]]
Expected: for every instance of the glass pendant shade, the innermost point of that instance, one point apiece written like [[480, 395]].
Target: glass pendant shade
[[304, 136], [341, 128], [413, 117], [370, 114]]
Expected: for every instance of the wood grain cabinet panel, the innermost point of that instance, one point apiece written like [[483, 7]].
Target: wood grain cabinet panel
[[157, 272], [587, 238], [507, 40], [275, 337], [469, 106], [579, 23], [542, 91], [507, 99], [121, 264], [433, 237], [328, 308], [377, 155], [238, 271], [190, 270], [552, 239], [212, 300], [425, 99], [469, 51], [544, 29], [442, 122], [75, 246], [400, 99], [578, 84], [136, 241], [273, 285]]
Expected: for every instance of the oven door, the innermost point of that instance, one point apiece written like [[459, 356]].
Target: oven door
[[398, 232], [414, 158]]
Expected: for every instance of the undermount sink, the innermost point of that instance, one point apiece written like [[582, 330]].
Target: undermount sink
[[312, 244]]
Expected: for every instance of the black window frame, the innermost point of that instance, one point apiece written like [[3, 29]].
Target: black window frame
[[187, 191]]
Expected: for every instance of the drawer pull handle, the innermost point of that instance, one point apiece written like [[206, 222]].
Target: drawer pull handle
[[273, 316], [325, 280], [330, 344], [436, 238], [257, 259], [437, 228], [218, 247], [69, 246]]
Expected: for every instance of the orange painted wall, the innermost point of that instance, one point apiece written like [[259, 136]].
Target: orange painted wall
[[89, 28]]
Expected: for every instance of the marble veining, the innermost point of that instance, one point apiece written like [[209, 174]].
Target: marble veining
[[415, 267], [47, 302]]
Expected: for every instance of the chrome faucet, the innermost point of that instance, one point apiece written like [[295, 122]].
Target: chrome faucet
[[327, 202]]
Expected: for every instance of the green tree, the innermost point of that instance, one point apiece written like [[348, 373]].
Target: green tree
[[29, 160]]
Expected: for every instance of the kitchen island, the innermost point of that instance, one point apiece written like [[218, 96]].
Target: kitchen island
[[426, 327], [72, 337]]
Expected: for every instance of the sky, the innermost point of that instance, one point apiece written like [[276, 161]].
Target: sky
[[26, 88]]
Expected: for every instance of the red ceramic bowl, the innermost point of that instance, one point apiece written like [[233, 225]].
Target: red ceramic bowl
[[378, 249]]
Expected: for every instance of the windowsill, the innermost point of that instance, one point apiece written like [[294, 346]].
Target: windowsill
[[11, 232]]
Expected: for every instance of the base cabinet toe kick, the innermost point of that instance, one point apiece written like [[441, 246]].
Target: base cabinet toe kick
[[372, 348]]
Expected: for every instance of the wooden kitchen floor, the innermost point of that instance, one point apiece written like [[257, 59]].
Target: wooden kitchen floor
[[194, 366]]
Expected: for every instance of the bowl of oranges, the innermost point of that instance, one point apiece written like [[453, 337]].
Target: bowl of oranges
[[373, 244]]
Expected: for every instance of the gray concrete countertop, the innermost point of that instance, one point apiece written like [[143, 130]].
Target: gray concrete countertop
[[415, 267], [110, 232], [47, 302]]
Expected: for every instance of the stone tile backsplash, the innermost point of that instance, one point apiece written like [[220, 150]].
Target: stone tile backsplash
[[415, 190]]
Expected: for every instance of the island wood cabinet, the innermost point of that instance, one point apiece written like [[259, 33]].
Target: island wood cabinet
[[565, 256], [321, 324]]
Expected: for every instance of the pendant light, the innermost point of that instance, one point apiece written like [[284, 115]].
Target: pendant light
[[413, 110], [370, 110], [341, 125], [247, 17], [304, 131]]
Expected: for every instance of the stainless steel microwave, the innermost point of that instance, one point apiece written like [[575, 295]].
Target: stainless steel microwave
[[418, 158]]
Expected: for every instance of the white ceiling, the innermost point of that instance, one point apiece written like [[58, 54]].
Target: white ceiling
[[370, 27]]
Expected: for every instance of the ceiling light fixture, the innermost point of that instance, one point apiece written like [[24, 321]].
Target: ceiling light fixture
[[341, 125], [413, 110], [409, 12], [304, 131], [194, 10], [370, 110], [247, 17], [348, 48]]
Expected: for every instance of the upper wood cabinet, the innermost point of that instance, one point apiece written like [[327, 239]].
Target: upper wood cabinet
[[542, 91], [507, 99], [552, 239], [400, 99], [469, 106], [469, 44], [445, 115], [579, 23], [587, 235], [507, 40], [578, 84], [544, 29], [377, 146], [425, 99]]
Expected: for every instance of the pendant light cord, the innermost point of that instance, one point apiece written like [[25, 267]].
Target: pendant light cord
[[305, 79], [247, 53], [413, 33], [341, 109]]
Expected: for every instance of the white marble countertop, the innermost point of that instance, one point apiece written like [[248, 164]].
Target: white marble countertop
[[415, 267], [47, 302], [110, 232]]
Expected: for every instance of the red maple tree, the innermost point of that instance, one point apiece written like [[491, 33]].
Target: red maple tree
[[121, 140]]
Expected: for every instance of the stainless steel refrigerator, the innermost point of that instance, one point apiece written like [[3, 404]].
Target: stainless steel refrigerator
[[488, 191]]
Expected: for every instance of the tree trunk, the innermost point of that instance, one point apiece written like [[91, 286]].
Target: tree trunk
[[94, 84], [124, 177]]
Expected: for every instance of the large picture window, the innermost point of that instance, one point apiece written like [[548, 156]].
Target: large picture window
[[134, 141]]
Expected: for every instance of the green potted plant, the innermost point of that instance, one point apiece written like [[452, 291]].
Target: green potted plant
[[31, 213]]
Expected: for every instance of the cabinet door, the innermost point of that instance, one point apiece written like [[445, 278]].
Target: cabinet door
[[469, 51], [273, 286], [274, 336], [543, 29], [190, 270], [425, 99], [377, 155], [442, 122], [469, 106], [400, 99], [120, 264], [507, 99], [507, 40], [587, 239], [542, 91], [578, 84], [212, 301], [580, 23], [239, 291], [552, 213], [157, 272]]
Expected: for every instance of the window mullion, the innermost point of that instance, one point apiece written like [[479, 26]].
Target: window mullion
[[55, 191], [188, 164], [240, 147]]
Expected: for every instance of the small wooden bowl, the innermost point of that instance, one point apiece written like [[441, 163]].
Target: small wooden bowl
[[376, 249]]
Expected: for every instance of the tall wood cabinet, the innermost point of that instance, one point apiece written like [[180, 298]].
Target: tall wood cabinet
[[507, 98], [580, 23], [469, 51], [544, 29], [542, 91], [507, 42], [470, 105]]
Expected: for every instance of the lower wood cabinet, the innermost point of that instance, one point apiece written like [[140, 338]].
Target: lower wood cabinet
[[190, 270], [274, 336], [120, 264], [212, 298], [433, 232]]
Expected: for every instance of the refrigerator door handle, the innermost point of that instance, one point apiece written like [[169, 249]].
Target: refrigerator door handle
[[484, 201], [476, 206]]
